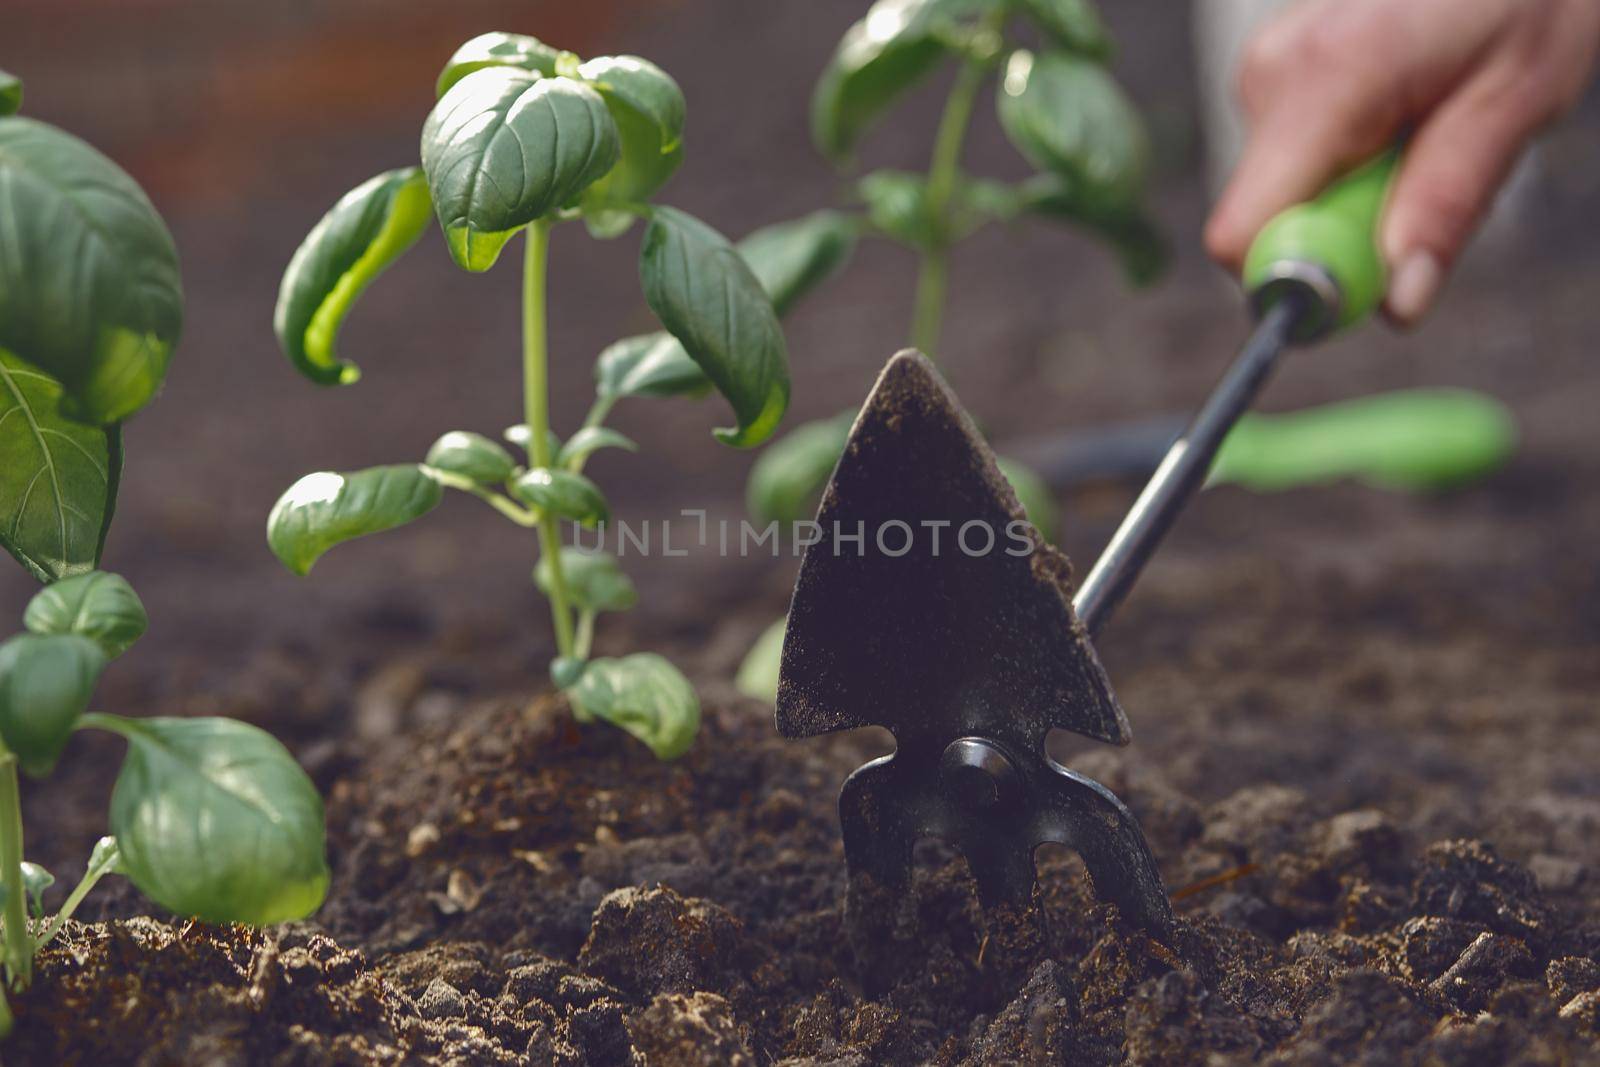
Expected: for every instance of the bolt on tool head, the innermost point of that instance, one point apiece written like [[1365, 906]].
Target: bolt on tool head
[[929, 607]]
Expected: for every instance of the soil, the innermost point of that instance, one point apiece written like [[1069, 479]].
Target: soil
[[1364, 724]]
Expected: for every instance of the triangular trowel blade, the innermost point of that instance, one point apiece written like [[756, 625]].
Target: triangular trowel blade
[[948, 616]]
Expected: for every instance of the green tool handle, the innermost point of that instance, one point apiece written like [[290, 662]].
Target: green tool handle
[[1327, 250]]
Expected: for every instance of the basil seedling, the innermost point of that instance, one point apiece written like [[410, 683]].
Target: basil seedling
[[1063, 111], [525, 137], [209, 817]]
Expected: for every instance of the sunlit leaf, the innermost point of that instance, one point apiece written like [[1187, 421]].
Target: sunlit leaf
[[472, 456], [214, 819], [706, 296], [89, 287], [46, 681], [1067, 115], [58, 484], [325, 509], [368, 229], [497, 50], [645, 695], [648, 109], [566, 494], [504, 147], [99, 605], [594, 580]]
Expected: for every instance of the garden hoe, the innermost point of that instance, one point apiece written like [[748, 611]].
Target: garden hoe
[[930, 608]]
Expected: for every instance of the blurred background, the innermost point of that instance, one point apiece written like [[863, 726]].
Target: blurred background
[[246, 121]]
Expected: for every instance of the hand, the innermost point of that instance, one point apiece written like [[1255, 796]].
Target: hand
[[1331, 82]]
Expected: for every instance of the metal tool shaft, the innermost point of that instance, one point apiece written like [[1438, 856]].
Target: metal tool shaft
[[1185, 467]]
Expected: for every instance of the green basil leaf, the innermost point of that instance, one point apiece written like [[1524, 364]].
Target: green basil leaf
[[788, 477], [895, 45], [99, 605], [472, 456], [1067, 115], [1073, 24], [758, 673], [35, 880], [792, 258], [563, 493], [652, 364], [594, 580], [645, 695], [505, 147], [368, 229], [46, 681], [325, 509], [89, 287], [706, 296], [589, 440], [10, 93], [214, 819], [1038, 502], [897, 206], [519, 436], [497, 50], [1134, 236], [58, 481], [648, 109]]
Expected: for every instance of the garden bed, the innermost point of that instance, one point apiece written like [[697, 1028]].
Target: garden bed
[[1373, 797]]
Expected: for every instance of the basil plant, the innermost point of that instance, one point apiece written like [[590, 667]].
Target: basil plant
[[210, 818], [1059, 106], [523, 138]]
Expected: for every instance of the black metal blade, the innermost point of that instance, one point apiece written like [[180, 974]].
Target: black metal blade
[[966, 649], [942, 640]]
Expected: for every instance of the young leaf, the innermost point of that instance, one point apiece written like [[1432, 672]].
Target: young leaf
[[562, 493], [497, 50], [645, 695], [648, 108], [35, 880], [519, 436], [790, 259], [589, 440], [594, 580], [471, 455], [504, 147], [99, 605], [369, 228], [897, 206], [705, 295], [1069, 116], [10, 93], [1137, 240], [46, 681], [788, 477], [893, 47], [215, 820], [1038, 503], [758, 672], [652, 364], [325, 509], [89, 289], [58, 485], [1073, 24]]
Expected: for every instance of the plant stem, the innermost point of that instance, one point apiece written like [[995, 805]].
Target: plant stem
[[18, 942], [536, 412], [91, 878], [943, 172]]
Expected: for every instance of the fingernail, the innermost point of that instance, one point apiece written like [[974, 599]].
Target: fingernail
[[1414, 286]]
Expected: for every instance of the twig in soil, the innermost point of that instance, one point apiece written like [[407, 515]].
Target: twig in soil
[[1196, 888]]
